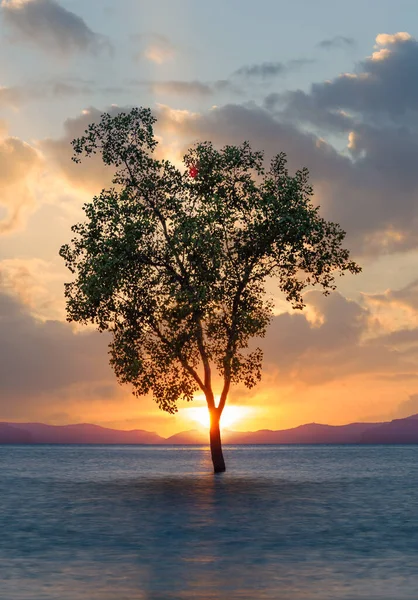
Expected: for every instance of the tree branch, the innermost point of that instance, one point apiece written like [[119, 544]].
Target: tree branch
[[230, 348], [203, 354], [178, 355], [184, 279]]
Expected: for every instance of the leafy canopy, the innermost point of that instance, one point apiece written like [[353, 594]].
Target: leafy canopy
[[175, 266]]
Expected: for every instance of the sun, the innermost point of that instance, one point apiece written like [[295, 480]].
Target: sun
[[230, 416]]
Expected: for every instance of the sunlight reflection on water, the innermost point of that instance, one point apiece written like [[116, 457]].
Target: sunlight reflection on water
[[295, 523]]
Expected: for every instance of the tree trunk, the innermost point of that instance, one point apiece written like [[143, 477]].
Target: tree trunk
[[215, 442]]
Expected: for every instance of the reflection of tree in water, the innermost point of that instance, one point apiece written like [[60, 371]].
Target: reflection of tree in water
[[196, 540]]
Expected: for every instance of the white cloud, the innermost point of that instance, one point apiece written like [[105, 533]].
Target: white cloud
[[37, 283], [20, 166], [155, 47]]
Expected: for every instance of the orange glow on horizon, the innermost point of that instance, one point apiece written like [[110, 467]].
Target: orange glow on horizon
[[231, 415]]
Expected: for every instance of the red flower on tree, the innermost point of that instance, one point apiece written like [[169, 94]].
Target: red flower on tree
[[193, 171]]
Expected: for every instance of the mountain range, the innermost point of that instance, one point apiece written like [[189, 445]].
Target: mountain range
[[397, 431]]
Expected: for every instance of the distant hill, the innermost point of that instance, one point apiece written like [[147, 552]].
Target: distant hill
[[312, 433], [193, 436], [9, 434], [83, 433], [398, 431], [304, 434]]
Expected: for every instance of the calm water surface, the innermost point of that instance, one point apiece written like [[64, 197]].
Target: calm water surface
[[153, 523]]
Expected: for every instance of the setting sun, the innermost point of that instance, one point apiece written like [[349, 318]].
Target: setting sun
[[231, 415]]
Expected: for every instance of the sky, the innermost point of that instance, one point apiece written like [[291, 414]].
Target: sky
[[334, 85]]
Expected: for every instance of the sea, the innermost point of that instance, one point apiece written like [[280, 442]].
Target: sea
[[154, 523]]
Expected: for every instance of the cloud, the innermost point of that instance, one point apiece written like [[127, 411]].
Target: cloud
[[50, 373], [20, 166], [263, 70], [91, 175], [47, 368], [338, 41], [383, 40], [340, 344], [44, 356], [196, 88], [67, 88], [321, 349], [37, 283], [407, 407], [356, 188], [375, 109], [16, 96], [155, 47], [383, 88], [359, 194], [50, 26], [268, 70], [396, 308], [182, 88], [11, 97], [188, 88], [405, 297]]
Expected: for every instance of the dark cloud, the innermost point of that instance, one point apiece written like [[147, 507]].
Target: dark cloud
[[46, 356], [226, 85], [187, 88], [268, 70], [319, 351], [338, 41], [182, 88], [382, 89], [59, 88], [297, 107], [360, 194], [16, 96], [375, 107], [56, 88], [337, 344], [264, 70], [232, 123], [65, 88], [50, 26]]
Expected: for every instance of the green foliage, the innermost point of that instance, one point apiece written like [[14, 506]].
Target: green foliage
[[175, 267]]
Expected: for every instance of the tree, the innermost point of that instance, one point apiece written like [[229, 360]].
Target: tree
[[174, 264]]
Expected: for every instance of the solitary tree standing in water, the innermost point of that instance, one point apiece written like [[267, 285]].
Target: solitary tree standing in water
[[174, 264]]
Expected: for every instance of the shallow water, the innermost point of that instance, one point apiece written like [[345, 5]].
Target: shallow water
[[153, 523]]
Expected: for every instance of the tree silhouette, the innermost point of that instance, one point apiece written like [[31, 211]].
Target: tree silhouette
[[174, 264]]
